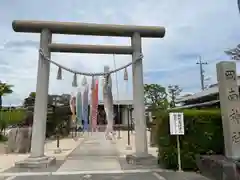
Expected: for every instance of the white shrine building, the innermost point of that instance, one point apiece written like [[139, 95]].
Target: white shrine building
[[119, 105], [123, 106]]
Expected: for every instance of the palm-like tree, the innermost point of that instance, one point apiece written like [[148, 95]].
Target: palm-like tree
[[239, 5], [4, 89]]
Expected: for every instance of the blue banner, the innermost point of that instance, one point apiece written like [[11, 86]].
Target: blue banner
[[79, 108], [85, 107]]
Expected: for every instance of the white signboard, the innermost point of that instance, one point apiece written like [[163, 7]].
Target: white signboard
[[176, 123]]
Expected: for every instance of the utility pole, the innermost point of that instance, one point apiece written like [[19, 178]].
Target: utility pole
[[201, 71]]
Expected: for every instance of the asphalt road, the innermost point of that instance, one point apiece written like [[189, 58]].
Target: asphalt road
[[122, 176], [130, 176]]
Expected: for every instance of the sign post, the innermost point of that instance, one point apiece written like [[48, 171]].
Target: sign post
[[176, 120]]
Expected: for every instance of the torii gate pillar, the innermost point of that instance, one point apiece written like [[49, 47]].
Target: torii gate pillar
[[37, 157], [138, 98]]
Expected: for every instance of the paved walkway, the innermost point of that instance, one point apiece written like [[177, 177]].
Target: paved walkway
[[95, 153]]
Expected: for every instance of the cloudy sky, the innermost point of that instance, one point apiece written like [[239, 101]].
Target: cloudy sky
[[193, 28]]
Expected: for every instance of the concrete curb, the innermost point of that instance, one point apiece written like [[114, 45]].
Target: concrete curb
[[21, 174]]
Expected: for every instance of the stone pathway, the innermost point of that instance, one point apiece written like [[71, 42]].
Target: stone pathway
[[95, 153]]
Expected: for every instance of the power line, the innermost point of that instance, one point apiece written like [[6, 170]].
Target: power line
[[201, 71]]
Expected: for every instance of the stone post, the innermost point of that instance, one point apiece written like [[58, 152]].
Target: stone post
[[138, 99], [230, 107]]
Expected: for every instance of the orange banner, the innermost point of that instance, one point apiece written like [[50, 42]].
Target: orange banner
[[95, 105]]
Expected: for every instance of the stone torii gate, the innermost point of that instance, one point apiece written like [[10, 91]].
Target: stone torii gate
[[46, 29]]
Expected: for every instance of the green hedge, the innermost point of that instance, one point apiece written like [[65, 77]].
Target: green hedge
[[56, 117], [12, 117], [203, 135]]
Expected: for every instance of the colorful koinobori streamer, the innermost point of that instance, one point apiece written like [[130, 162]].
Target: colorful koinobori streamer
[[91, 103], [108, 101], [72, 104], [94, 103], [85, 103], [95, 115], [79, 107]]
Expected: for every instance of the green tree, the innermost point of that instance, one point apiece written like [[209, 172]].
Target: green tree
[[32, 94], [174, 91], [155, 96], [4, 90], [29, 101]]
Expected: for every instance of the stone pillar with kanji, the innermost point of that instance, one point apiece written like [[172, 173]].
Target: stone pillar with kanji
[[230, 107]]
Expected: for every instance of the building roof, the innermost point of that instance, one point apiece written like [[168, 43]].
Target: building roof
[[209, 91], [121, 102], [115, 102], [206, 92], [197, 105], [66, 97]]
